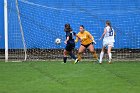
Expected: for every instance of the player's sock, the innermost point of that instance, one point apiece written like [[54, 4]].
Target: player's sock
[[101, 56], [110, 57], [95, 55], [79, 56], [72, 56], [65, 59]]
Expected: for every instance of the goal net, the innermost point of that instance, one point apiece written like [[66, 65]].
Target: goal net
[[33, 26]]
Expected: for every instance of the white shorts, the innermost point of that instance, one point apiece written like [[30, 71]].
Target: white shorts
[[107, 44]]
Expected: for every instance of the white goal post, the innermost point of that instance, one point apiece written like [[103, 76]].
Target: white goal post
[[6, 29]]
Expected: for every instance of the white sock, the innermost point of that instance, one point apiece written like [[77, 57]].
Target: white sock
[[110, 56], [101, 56]]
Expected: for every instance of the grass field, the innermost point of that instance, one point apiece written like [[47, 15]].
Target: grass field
[[54, 77]]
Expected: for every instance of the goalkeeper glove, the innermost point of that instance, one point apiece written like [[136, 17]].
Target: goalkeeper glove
[[74, 33]]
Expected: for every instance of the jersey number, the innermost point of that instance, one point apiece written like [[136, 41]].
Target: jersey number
[[111, 33]]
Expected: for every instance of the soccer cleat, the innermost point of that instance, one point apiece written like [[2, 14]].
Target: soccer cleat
[[76, 61], [109, 62], [100, 62]]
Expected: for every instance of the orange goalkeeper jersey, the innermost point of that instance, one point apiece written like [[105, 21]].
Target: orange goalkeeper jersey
[[85, 38]]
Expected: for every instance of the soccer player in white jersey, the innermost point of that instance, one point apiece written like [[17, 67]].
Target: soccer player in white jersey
[[108, 41]]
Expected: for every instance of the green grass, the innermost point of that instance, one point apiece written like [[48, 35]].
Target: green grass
[[54, 77]]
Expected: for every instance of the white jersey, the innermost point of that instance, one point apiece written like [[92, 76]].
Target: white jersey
[[109, 36]]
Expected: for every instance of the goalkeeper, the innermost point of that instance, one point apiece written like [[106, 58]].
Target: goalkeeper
[[70, 43], [87, 41]]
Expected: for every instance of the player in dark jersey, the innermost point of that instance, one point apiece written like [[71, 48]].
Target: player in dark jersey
[[70, 43]]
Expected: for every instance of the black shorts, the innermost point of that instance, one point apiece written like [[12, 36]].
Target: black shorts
[[70, 46], [86, 46]]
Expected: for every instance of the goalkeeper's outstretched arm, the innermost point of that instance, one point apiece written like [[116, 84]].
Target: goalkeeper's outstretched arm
[[77, 37], [76, 40]]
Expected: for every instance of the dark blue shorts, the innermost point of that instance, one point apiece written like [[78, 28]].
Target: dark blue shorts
[[70, 46]]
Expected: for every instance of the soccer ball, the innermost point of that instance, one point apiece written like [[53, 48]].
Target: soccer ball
[[57, 41]]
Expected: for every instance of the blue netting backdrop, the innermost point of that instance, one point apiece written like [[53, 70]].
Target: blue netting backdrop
[[43, 21]]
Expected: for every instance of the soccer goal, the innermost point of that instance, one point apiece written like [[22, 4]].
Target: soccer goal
[[31, 27]]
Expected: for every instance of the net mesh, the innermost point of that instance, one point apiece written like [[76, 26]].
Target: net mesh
[[43, 21]]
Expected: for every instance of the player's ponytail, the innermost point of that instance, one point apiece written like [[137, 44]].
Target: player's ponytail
[[109, 24]]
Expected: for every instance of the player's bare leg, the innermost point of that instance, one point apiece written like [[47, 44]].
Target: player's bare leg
[[102, 55], [109, 53], [80, 51], [91, 49]]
